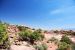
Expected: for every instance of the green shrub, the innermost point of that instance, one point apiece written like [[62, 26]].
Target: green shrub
[[39, 30], [73, 46], [63, 46], [56, 31], [25, 35], [41, 47], [45, 46], [65, 43], [66, 39], [73, 33], [53, 39], [3, 36], [22, 28], [31, 36], [35, 36]]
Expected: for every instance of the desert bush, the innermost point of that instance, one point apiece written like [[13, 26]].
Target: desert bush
[[25, 35], [35, 36], [66, 39], [39, 30], [73, 33], [56, 31], [45, 46], [64, 46], [45, 31], [31, 36], [52, 39], [22, 28], [3, 36], [38, 47], [65, 43], [73, 46], [41, 47]]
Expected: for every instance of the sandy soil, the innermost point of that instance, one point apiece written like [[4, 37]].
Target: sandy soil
[[53, 46], [16, 47], [49, 36]]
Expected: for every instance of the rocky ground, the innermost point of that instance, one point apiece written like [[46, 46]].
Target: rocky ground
[[22, 45], [13, 38]]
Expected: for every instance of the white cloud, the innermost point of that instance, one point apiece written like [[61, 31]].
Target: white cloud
[[56, 11], [70, 9]]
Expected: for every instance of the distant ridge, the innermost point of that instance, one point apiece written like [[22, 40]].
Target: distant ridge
[[70, 29]]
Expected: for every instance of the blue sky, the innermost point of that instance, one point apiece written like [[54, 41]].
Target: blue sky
[[45, 14]]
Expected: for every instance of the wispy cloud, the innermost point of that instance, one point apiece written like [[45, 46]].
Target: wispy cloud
[[57, 11], [70, 9]]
